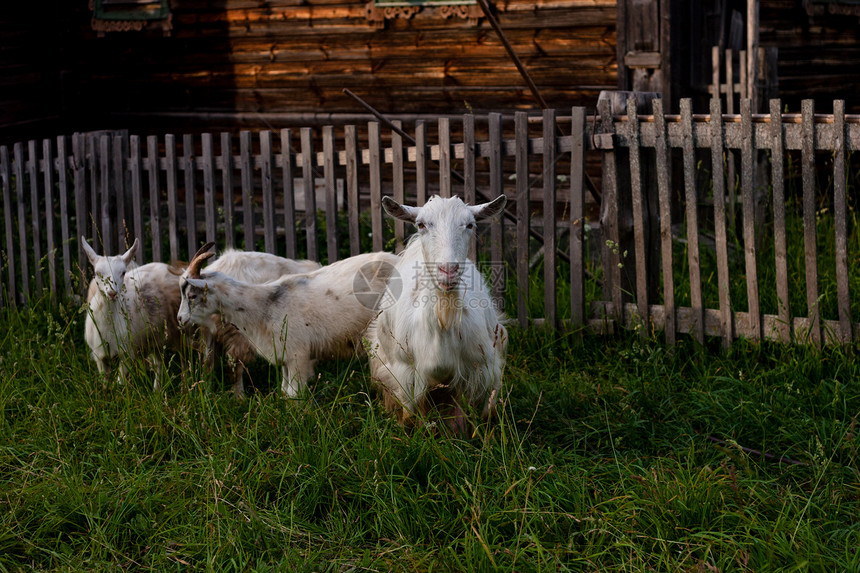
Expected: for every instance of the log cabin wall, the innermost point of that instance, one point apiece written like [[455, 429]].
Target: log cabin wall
[[819, 50], [263, 64], [30, 79]]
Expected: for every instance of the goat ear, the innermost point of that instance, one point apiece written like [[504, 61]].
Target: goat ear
[[398, 211], [91, 254], [129, 254], [491, 209], [196, 283]]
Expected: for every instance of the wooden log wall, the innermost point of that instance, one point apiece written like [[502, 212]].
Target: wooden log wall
[[819, 52], [288, 57]]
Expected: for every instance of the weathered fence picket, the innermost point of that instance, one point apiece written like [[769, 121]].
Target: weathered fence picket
[[117, 190]]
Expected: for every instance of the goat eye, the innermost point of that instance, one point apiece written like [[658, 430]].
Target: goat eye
[[421, 226], [470, 226]]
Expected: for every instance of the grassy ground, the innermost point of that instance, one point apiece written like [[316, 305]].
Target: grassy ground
[[610, 455]]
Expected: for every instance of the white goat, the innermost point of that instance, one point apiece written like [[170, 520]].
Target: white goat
[[132, 310], [297, 319], [442, 341], [222, 337]]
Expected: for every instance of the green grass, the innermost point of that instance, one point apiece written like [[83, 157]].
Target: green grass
[[600, 461]]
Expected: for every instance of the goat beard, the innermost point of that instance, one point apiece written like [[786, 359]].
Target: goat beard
[[448, 308]]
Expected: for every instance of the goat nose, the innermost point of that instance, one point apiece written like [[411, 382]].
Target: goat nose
[[449, 269]]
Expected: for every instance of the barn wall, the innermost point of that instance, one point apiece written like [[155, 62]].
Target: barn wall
[[819, 55], [30, 78], [287, 57]]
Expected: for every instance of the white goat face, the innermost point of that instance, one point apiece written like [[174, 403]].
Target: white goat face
[[444, 229], [110, 270], [197, 306]]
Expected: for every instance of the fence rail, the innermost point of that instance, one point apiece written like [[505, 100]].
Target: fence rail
[[301, 193]]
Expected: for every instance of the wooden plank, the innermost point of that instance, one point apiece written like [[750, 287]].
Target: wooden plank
[[136, 193], [329, 177], [50, 214], [246, 168], [18, 170], [95, 187], [227, 190], [6, 178], [268, 191], [609, 217], [189, 164], [599, 325], [748, 196], [118, 219], [715, 72], [398, 186], [840, 215], [154, 196], [352, 189], [444, 157], [35, 213], [807, 158], [638, 217], [784, 323], [497, 245], [691, 201], [79, 150], [287, 162], [521, 167], [310, 193], [578, 132], [549, 217], [730, 82], [63, 190], [469, 185], [664, 191], [420, 163], [375, 185], [208, 165], [719, 179], [172, 195]]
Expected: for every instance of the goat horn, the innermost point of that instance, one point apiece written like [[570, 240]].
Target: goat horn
[[199, 257]]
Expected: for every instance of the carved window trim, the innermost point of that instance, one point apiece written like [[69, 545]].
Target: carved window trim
[[379, 11], [130, 15]]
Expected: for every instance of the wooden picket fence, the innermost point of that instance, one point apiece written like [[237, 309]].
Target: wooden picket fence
[[284, 189]]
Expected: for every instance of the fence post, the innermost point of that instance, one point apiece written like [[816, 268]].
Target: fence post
[[549, 194], [521, 127], [809, 234], [331, 191], [777, 146], [840, 211], [6, 175], [48, 162], [80, 176], [310, 193], [577, 218], [749, 217], [664, 190], [610, 249], [63, 189], [35, 216], [189, 162], [153, 169], [497, 188], [719, 179]]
